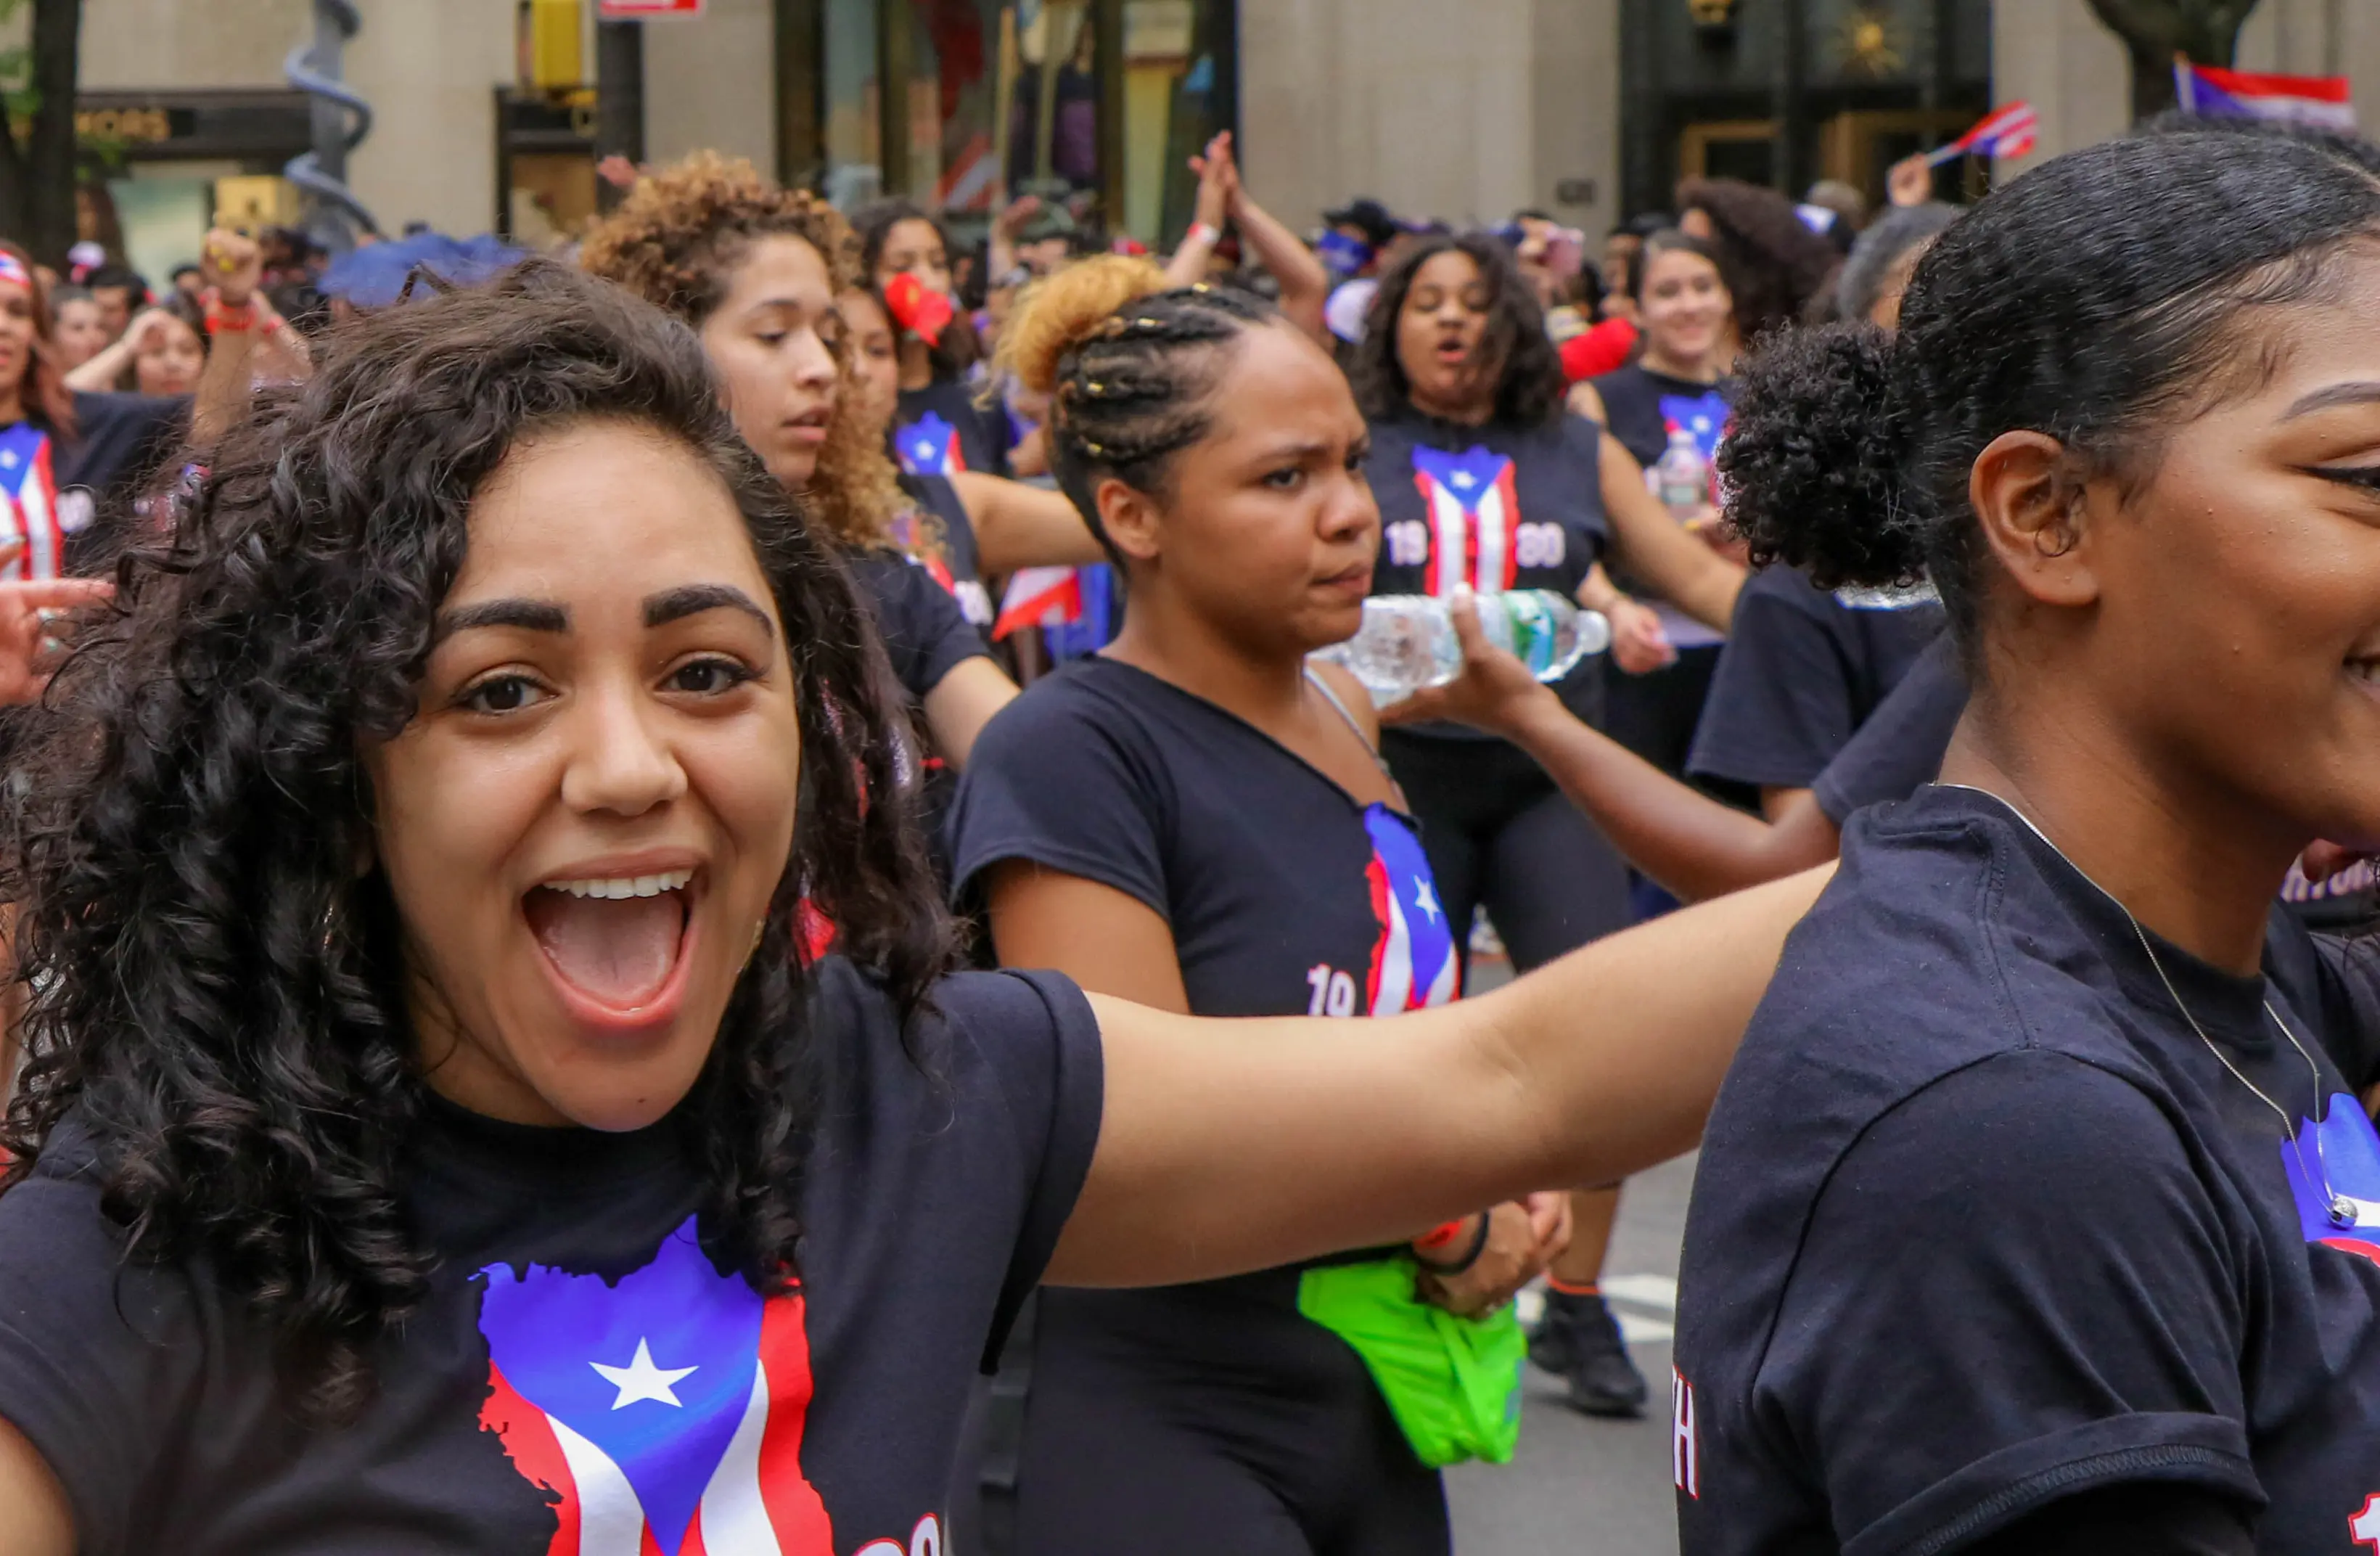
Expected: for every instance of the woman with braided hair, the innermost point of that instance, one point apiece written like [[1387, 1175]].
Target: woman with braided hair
[[1198, 820], [756, 269]]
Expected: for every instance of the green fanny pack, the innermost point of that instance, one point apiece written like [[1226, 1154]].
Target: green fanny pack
[[1454, 1385]]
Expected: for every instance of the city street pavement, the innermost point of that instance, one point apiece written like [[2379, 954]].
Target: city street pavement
[[1580, 1486]]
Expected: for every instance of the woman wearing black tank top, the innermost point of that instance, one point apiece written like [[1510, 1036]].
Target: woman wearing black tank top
[[1196, 821], [1484, 479]]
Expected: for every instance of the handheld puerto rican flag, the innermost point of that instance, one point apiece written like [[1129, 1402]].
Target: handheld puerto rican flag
[[2213, 93], [1413, 964], [1038, 597], [1473, 512], [29, 504], [2003, 132], [928, 446], [666, 1409]]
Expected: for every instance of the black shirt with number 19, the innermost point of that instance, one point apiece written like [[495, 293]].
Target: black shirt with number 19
[[1498, 506]]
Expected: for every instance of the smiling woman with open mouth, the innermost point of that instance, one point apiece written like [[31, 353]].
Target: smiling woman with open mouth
[[436, 1135]]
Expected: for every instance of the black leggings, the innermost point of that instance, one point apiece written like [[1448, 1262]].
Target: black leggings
[[1199, 1429], [1499, 835]]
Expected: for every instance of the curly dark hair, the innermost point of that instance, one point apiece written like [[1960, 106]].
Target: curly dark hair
[[1529, 381], [677, 240], [215, 991], [2099, 298], [1779, 270]]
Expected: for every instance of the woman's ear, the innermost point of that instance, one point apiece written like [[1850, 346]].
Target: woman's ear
[[2036, 518], [1131, 518]]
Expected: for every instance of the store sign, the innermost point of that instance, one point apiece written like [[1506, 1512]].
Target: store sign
[[142, 126], [637, 10]]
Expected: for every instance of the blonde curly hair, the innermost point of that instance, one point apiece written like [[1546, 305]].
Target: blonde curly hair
[[676, 240]]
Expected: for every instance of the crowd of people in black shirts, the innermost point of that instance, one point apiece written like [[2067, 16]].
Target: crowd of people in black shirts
[[510, 765]]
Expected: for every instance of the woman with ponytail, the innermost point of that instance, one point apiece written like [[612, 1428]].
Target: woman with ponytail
[[2039, 1213], [1198, 820]]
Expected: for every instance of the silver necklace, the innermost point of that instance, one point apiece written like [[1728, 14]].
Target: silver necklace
[[2341, 1211]]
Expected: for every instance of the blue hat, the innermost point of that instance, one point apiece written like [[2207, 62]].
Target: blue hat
[[375, 275]]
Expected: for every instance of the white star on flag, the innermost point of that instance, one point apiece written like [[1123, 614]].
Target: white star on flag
[[8, 460], [1425, 901], [1465, 479], [641, 1380]]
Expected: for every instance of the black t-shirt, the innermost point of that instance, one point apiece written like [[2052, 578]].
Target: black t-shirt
[[1981, 1223], [1639, 406], [959, 568], [1901, 745], [580, 1368], [1495, 507], [939, 430], [119, 441], [1285, 897], [925, 632], [1801, 671]]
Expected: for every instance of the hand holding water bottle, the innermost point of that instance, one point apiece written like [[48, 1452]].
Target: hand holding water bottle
[[1493, 691]]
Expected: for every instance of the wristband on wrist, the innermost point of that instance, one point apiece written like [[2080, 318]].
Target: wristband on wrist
[[224, 319], [1201, 233], [1441, 1236]]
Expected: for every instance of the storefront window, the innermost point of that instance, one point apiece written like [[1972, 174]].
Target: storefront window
[[1010, 97]]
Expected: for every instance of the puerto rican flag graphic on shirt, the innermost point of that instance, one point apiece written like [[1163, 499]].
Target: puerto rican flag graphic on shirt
[[1703, 415], [1475, 518], [2338, 1157], [664, 1410], [928, 446], [29, 504], [1413, 964]]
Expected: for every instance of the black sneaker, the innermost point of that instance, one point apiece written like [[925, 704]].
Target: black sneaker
[[1580, 1340], [1550, 1343]]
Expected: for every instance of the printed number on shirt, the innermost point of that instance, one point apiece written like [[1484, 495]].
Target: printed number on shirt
[[1539, 545], [1408, 543], [1334, 992]]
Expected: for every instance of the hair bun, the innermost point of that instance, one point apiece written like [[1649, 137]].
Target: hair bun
[[1814, 458], [1066, 307]]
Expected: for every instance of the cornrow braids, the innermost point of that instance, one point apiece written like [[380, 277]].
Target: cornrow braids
[[1135, 392]]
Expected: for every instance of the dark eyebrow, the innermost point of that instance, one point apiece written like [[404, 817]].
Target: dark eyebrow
[[2332, 396], [673, 604], [530, 616]]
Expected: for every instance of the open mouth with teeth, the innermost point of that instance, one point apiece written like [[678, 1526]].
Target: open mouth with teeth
[[617, 942]]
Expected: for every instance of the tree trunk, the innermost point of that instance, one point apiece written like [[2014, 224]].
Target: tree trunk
[[2154, 31], [50, 152]]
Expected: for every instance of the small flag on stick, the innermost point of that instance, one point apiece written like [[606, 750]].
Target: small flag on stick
[[2004, 132]]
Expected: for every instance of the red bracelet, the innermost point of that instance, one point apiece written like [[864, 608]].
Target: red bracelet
[[1439, 1236], [222, 320], [1470, 1255]]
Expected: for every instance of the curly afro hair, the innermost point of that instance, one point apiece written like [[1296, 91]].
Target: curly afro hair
[[2100, 299], [216, 1005], [676, 240], [1529, 382]]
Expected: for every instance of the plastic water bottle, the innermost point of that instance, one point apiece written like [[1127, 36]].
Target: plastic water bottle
[[1682, 476], [1408, 642]]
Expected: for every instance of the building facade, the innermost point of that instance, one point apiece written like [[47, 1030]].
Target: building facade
[[1462, 109]]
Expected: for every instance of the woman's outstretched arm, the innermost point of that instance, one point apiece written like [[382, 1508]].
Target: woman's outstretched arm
[[1229, 1145]]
